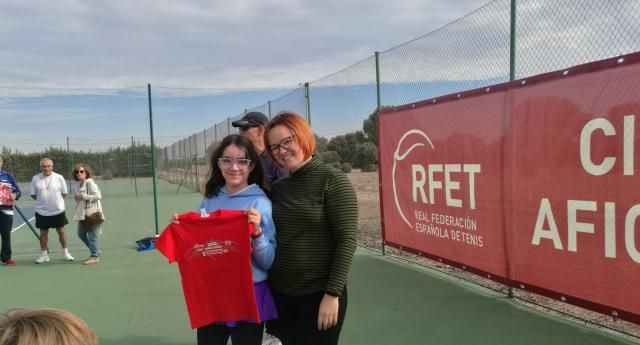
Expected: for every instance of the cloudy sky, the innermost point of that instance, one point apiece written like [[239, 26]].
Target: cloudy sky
[[204, 43]]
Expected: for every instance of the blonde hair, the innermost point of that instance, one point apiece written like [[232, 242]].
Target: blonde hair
[[44, 327]]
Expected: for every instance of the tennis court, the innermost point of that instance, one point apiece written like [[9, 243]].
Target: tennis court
[[18, 222], [136, 298]]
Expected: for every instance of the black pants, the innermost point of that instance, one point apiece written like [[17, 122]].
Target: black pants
[[297, 322], [6, 222], [244, 333]]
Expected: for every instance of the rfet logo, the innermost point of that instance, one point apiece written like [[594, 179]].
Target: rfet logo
[[450, 185], [416, 138]]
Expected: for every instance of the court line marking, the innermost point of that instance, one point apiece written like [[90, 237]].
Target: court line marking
[[21, 225]]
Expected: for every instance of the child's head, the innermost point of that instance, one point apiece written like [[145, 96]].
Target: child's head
[[44, 327], [249, 164]]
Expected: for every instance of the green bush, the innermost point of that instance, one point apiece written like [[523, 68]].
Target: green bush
[[366, 154], [329, 157]]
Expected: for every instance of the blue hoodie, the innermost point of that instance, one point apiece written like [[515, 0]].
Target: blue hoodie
[[264, 247]]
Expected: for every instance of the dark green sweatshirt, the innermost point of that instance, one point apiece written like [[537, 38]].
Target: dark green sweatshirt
[[315, 211]]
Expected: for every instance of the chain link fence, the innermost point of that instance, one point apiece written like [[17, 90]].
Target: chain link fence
[[109, 128], [106, 128]]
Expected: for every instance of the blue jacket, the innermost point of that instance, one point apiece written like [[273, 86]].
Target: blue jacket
[[264, 247], [5, 177]]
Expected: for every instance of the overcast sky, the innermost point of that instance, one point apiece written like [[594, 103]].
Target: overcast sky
[[204, 43]]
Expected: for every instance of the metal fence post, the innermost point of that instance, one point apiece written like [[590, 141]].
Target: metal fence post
[[307, 98], [153, 161], [512, 43], [378, 106], [512, 77]]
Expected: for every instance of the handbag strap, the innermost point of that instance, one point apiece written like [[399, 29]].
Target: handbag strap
[[87, 203]]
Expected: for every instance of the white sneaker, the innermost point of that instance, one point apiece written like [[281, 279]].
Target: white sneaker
[[42, 259], [67, 257], [269, 339]]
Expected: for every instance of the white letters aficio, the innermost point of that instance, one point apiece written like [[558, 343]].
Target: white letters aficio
[[578, 231]]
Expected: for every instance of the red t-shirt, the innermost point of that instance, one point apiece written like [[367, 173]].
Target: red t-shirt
[[214, 257]]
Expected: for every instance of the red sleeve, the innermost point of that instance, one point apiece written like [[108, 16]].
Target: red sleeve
[[166, 243]]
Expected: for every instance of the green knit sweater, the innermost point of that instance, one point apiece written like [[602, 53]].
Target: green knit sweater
[[315, 210]]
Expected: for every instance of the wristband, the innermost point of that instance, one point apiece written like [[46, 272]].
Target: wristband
[[257, 234]]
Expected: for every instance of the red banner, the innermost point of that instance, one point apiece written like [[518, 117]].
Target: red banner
[[440, 170], [531, 182]]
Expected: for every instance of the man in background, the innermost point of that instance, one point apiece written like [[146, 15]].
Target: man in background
[[251, 126], [48, 189]]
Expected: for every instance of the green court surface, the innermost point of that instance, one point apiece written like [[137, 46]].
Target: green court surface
[[136, 298]]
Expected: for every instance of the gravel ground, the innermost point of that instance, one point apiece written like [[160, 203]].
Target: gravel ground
[[370, 236]]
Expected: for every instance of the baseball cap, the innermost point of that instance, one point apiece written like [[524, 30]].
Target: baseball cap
[[252, 119]]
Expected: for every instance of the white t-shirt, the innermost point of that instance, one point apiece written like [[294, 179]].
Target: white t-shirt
[[48, 191]]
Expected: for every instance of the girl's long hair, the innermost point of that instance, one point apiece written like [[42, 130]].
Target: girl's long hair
[[216, 179]]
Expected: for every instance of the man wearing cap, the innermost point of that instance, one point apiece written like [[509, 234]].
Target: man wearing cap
[[251, 126]]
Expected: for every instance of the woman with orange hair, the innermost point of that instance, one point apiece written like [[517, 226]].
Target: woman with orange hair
[[315, 210]]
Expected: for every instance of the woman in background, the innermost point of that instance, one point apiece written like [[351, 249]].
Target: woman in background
[[87, 198]]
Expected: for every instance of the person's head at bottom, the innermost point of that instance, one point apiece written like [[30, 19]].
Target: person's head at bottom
[[45, 326]]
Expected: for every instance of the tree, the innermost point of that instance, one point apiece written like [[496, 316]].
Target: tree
[[321, 143], [340, 145], [366, 156], [329, 157], [346, 145], [370, 125]]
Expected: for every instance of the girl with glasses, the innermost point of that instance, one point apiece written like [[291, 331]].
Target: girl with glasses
[[236, 183]]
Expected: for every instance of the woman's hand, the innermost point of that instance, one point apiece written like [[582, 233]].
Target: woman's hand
[[328, 312], [174, 219], [78, 196], [254, 218]]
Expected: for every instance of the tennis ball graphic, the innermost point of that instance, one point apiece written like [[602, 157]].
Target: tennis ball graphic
[[414, 138]]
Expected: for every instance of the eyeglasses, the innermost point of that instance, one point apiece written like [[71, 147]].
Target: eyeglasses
[[227, 163], [46, 166], [284, 144], [79, 172]]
